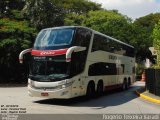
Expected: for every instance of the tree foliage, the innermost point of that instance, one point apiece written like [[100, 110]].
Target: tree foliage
[[50, 13], [74, 19], [156, 36], [143, 34], [43, 13], [14, 37], [156, 40], [110, 23], [6, 7], [78, 6]]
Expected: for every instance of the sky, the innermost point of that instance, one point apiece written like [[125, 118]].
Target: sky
[[132, 8]]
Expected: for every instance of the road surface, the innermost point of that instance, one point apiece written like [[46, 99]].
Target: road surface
[[124, 102]]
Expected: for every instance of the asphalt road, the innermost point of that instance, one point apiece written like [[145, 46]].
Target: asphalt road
[[114, 102]]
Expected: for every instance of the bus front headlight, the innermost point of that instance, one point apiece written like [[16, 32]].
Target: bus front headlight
[[67, 84]]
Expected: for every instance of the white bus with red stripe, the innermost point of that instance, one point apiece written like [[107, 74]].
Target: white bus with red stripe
[[73, 61]]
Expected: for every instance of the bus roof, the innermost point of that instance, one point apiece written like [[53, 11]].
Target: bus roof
[[63, 27]]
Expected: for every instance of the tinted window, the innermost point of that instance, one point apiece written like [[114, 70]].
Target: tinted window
[[82, 37], [102, 69], [100, 43], [109, 45], [78, 62]]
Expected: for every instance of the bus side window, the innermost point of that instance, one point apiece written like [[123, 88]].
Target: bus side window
[[100, 43], [82, 37], [92, 70], [77, 62], [102, 68], [96, 44]]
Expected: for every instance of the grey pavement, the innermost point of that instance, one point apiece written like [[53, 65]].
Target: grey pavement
[[114, 102]]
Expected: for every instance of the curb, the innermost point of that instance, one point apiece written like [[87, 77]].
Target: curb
[[141, 95]]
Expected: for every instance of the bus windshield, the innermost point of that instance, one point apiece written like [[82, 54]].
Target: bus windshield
[[54, 37], [43, 70]]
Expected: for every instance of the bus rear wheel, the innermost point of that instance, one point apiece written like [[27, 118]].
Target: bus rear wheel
[[90, 90], [100, 89], [125, 85]]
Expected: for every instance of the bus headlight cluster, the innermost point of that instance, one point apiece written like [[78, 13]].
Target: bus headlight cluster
[[66, 85]]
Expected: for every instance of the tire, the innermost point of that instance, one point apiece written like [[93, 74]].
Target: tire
[[125, 86], [90, 90], [129, 82], [99, 91]]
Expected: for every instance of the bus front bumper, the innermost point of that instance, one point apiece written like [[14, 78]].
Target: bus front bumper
[[64, 93]]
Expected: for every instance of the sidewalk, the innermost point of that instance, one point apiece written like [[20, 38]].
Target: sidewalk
[[147, 96]]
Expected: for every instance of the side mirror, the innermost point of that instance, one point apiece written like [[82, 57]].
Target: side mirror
[[73, 49], [22, 53]]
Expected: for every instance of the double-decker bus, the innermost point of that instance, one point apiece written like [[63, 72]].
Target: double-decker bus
[[73, 61]]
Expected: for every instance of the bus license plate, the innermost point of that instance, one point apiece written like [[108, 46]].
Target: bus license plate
[[44, 94]]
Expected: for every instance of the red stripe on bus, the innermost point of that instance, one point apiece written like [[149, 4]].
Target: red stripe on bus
[[49, 52]]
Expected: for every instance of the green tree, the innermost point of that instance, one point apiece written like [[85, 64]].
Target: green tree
[[6, 7], [15, 36], [78, 6], [143, 28], [156, 41], [74, 19], [43, 13], [50, 13], [110, 23]]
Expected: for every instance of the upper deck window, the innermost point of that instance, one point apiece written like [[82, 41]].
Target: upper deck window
[[54, 37], [106, 44]]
